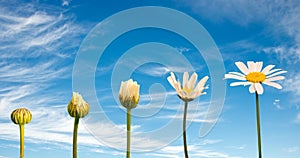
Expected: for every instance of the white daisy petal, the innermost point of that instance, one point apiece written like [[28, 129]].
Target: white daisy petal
[[237, 73], [185, 79], [240, 83], [187, 92], [179, 87], [182, 94], [273, 84], [277, 73], [242, 67], [251, 88], [232, 76], [267, 69], [192, 80], [259, 66], [201, 83], [276, 78], [171, 81], [272, 71], [251, 66], [259, 88], [173, 76]]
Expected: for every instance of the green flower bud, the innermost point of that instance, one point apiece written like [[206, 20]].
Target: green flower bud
[[21, 116], [129, 94], [77, 107]]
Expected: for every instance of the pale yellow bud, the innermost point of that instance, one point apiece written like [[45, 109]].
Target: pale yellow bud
[[129, 94], [21, 116], [77, 107]]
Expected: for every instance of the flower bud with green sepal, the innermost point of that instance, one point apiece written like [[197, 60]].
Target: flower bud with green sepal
[[78, 107]]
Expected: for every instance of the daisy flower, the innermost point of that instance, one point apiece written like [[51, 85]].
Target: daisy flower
[[187, 92], [255, 75]]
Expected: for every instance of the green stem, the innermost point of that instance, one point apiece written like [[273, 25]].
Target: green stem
[[258, 126], [184, 129], [76, 122], [21, 141], [128, 132]]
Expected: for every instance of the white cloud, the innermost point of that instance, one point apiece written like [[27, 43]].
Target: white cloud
[[242, 147], [197, 112], [66, 2], [36, 44], [297, 120], [280, 21], [210, 141], [292, 83], [281, 18], [291, 149], [276, 103], [176, 151], [28, 32]]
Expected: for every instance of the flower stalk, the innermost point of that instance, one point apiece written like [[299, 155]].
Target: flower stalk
[[21, 141], [77, 108], [76, 122], [258, 126], [128, 132], [184, 129]]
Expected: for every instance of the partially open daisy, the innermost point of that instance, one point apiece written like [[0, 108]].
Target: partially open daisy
[[188, 91], [254, 76]]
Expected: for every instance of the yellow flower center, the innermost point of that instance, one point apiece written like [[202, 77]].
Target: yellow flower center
[[256, 77], [188, 90]]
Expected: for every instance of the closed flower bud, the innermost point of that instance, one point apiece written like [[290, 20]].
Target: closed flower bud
[[129, 94], [21, 116], [77, 107]]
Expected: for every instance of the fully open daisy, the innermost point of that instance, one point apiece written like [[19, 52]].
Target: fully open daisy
[[255, 76]]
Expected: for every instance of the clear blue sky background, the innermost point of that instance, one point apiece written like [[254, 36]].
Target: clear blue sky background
[[39, 41]]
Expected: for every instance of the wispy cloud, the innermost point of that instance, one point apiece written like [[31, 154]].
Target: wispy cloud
[[37, 45], [33, 33], [66, 2], [197, 112], [242, 147], [277, 105], [292, 84], [175, 151], [279, 20], [291, 149], [297, 119]]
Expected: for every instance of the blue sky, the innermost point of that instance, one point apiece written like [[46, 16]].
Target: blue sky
[[41, 41]]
